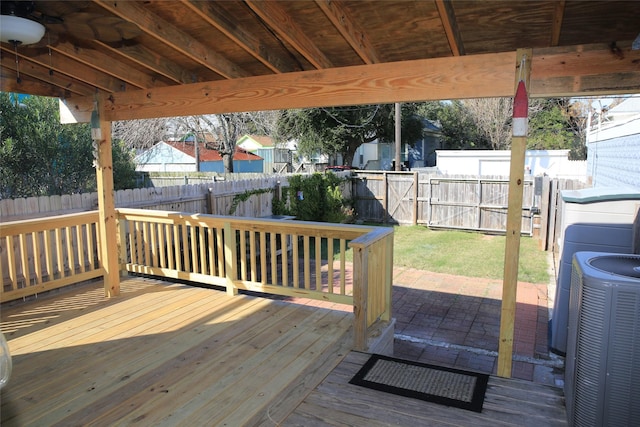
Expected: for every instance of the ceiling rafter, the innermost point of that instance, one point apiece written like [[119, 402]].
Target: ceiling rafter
[[72, 68], [106, 64], [216, 16], [151, 61], [450, 25], [277, 18], [28, 84], [344, 23], [46, 76], [556, 26], [172, 36]]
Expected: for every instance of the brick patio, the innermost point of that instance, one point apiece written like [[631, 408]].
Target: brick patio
[[455, 321]]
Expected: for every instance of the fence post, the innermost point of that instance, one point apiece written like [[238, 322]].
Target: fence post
[[385, 198], [415, 198]]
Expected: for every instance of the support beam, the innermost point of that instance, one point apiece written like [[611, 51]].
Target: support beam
[[558, 17], [106, 206], [450, 25], [561, 71], [514, 228]]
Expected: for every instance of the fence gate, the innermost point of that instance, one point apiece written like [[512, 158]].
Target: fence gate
[[475, 204], [469, 203]]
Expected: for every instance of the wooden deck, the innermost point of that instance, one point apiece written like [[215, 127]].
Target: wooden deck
[[170, 354], [165, 354], [508, 402]]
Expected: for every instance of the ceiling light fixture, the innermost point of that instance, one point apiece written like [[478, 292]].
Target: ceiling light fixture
[[17, 30]]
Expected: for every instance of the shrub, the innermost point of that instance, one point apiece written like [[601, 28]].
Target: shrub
[[316, 197]]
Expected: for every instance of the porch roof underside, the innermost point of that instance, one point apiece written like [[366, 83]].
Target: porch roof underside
[[154, 59]]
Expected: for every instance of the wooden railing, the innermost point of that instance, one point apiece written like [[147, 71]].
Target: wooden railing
[[277, 256], [42, 254], [274, 256]]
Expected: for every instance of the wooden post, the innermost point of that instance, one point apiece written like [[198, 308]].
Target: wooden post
[[416, 179], [514, 224], [398, 133], [230, 259], [106, 204], [385, 198], [360, 296]]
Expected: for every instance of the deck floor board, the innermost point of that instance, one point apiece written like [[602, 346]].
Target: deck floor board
[[164, 354]]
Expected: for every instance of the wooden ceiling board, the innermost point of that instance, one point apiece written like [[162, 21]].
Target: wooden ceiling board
[[500, 26], [397, 36], [597, 22]]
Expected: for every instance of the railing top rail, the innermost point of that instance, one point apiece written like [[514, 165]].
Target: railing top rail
[[40, 224], [348, 231], [374, 235]]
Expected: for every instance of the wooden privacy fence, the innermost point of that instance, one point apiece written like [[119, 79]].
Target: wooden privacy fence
[[213, 197], [470, 203]]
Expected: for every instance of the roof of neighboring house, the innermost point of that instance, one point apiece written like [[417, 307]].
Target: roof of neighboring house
[[629, 105], [210, 155], [257, 141]]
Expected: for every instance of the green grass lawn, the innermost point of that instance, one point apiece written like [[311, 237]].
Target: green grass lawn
[[465, 254]]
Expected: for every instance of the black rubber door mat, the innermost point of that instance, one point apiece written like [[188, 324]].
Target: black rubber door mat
[[446, 386]]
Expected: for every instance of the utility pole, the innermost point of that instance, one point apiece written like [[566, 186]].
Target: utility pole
[[398, 128]]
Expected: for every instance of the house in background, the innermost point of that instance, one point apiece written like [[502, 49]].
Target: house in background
[[180, 156], [380, 155], [613, 147], [276, 159], [554, 163]]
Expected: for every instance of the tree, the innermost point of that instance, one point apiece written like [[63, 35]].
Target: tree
[[40, 157], [343, 129], [459, 131], [486, 123], [492, 119], [550, 127], [139, 134]]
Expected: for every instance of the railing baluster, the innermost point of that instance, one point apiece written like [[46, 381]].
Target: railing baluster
[[307, 262], [295, 262], [162, 245], [11, 258], [263, 260], [70, 253], [202, 250], [48, 251], [221, 249], [24, 259], [252, 256], [37, 252], [284, 244], [80, 244], [211, 250], [59, 253], [193, 250], [274, 257], [330, 265], [318, 251], [343, 266]]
